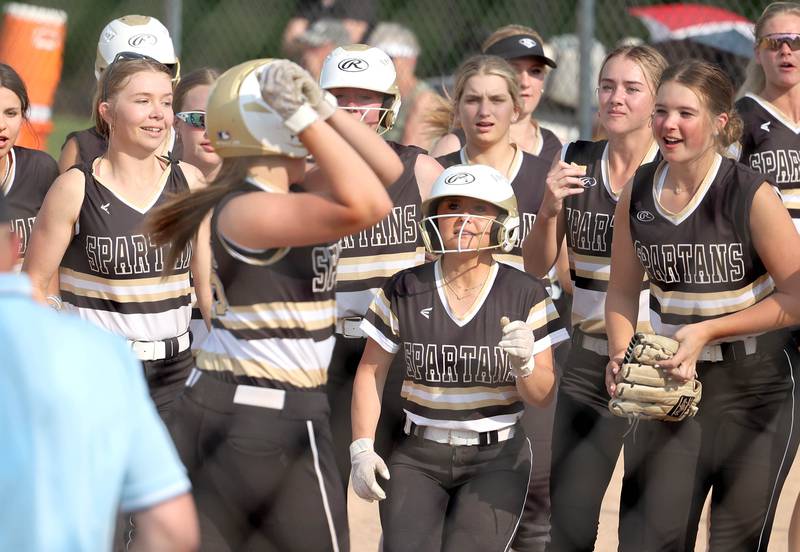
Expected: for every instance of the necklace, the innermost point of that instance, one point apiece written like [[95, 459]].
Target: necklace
[[6, 174], [466, 292]]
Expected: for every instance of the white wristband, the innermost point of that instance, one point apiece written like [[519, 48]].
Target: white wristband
[[301, 119], [365, 444], [524, 371]]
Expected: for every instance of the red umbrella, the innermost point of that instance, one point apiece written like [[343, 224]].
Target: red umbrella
[[717, 27]]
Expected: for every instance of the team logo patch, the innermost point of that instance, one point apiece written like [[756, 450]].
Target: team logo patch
[[527, 42], [143, 39], [765, 126], [588, 181], [680, 407], [645, 216], [426, 312], [353, 65], [460, 178], [223, 135], [105, 207]]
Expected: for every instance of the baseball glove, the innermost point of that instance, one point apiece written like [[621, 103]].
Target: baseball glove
[[645, 391]]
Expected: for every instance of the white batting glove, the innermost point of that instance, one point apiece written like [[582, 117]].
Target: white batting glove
[[288, 89], [517, 342], [326, 106], [366, 463]]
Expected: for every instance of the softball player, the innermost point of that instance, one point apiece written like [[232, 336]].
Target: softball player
[[523, 48], [134, 34], [712, 236], [459, 478], [369, 258], [770, 142], [91, 225], [487, 101], [26, 174], [252, 426], [189, 105], [579, 204]]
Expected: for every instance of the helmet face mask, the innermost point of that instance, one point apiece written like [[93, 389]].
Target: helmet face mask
[[478, 182], [138, 34], [366, 68], [491, 227]]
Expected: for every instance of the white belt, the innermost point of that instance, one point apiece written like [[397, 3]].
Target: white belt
[[159, 350], [249, 395], [350, 327], [713, 353], [458, 437], [596, 345]]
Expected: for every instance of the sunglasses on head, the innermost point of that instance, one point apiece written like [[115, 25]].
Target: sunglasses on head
[[195, 119], [775, 41], [173, 70]]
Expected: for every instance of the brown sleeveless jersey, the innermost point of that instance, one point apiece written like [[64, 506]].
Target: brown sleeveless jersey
[[589, 218], [112, 273], [30, 175], [701, 262], [275, 311], [370, 257], [456, 375], [770, 144]]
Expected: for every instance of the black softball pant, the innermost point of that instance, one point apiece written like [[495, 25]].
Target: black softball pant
[[263, 478], [739, 447], [533, 534], [587, 440], [444, 498], [341, 373], [166, 379]]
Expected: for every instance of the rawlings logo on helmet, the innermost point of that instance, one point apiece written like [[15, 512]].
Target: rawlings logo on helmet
[[527, 42], [460, 178], [353, 65], [144, 39]]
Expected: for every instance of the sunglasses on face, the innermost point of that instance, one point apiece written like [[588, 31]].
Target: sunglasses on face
[[775, 41], [195, 119]]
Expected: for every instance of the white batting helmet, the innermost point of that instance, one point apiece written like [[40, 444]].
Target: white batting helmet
[[478, 182], [240, 123], [367, 68], [140, 34]]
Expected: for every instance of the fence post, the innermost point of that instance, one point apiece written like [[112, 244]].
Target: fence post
[[174, 8], [586, 80]]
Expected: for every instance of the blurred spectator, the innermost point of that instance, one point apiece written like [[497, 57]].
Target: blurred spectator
[[81, 437], [357, 17], [401, 45], [319, 40]]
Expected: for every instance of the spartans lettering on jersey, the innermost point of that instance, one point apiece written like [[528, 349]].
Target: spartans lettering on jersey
[[692, 263], [432, 363], [22, 227], [132, 254], [782, 164], [589, 231], [323, 261], [527, 224], [397, 227]]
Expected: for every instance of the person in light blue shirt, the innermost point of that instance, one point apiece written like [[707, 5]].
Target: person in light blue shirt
[[80, 438]]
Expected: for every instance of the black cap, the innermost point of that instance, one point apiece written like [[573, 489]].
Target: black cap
[[518, 46], [4, 216]]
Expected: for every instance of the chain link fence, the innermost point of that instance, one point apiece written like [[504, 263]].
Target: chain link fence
[[222, 33]]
